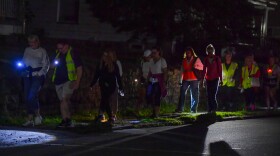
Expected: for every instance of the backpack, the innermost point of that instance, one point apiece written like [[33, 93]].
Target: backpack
[[198, 73]]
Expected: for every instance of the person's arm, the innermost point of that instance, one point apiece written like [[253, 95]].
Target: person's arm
[[118, 77], [164, 69], [220, 71], [120, 67], [198, 64], [96, 76], [46, 64], [204, 69]]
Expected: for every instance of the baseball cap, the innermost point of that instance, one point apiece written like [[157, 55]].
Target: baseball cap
[[147, 53]]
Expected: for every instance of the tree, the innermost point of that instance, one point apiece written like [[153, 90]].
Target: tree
[[199, 20]]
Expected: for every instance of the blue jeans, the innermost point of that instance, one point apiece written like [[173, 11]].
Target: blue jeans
[[32, 86], [194, 91]]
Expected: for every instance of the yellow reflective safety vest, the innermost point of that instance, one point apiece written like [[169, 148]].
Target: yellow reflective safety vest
[[246, 80], [228, 74], [71, 69]]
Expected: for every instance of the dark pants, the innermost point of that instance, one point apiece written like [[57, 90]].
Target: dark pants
[[249, 96], [32, 86], [226, 97], [154, 93], [212, 89], [106, 97]]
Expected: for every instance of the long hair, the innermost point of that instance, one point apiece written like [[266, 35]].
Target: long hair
[[107, 61], [191, 50]]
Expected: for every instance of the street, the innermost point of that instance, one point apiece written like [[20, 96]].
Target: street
[[252, 137]]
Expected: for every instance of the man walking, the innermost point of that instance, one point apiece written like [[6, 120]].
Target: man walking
[[67, 76]]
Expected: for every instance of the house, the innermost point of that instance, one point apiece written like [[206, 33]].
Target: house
[[73, 19]]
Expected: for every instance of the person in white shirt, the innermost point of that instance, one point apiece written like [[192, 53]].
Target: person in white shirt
[[157, 78], [36, 65]]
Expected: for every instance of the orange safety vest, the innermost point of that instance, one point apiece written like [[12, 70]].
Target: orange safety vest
[[187, 70]]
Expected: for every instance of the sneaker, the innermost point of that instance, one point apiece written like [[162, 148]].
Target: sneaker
[[100, 118], [38, 120], [28, 123]]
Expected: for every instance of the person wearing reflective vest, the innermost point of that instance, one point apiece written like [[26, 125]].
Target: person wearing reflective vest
[[250, 75], [66, 77], [271, 82], [227, 89], [189, 80]]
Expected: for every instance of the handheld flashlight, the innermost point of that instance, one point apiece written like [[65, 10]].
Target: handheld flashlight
[[20, 64], [56, 62]]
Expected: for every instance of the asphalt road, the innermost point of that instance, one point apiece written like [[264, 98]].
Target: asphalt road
[[252, 137]]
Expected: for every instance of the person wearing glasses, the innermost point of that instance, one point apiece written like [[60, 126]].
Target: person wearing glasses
[[66, 77]]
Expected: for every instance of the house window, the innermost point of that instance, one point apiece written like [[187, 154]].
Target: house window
[[68, 11], [9, 8]]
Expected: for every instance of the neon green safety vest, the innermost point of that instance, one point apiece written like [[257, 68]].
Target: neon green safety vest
[[71, 69], [228, 74], [246, 83]]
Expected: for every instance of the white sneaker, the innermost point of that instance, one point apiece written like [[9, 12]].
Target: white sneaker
[[38, 120], [28, 123]]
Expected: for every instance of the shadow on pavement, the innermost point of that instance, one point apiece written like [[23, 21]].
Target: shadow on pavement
[[221, 148]]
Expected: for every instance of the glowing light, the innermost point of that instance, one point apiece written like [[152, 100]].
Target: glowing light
[[56, 62], [19, 64], [269, 70], [136, 80], [15, 138]]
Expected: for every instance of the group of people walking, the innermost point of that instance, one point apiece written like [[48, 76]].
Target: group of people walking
[[212, 72], [221, 77]]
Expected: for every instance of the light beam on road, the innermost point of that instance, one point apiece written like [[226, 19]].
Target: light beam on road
[[15, 138]]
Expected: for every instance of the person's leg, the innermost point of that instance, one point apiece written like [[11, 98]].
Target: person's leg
[[34, 98], [28, 104], [65, 103], [209, 94], [149, 94], [215, 91], [254, 92], [183, 89], [113, 101], [222, 98], [247, 98], [267, 97], [157, 95], [273, 92], [194, 85]]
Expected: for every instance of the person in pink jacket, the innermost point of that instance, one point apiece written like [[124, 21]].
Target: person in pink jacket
[[213, 77]]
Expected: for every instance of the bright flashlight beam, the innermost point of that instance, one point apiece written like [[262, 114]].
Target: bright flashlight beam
[[19, 64]]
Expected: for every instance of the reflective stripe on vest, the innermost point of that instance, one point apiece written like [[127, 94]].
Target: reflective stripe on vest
[[71, 69], [246, 83], [228, 74]]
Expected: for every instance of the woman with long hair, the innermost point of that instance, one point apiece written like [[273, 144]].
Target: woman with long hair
[[108, 76]]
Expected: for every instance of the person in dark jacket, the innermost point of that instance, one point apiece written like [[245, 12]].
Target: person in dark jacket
[[108, 76]]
